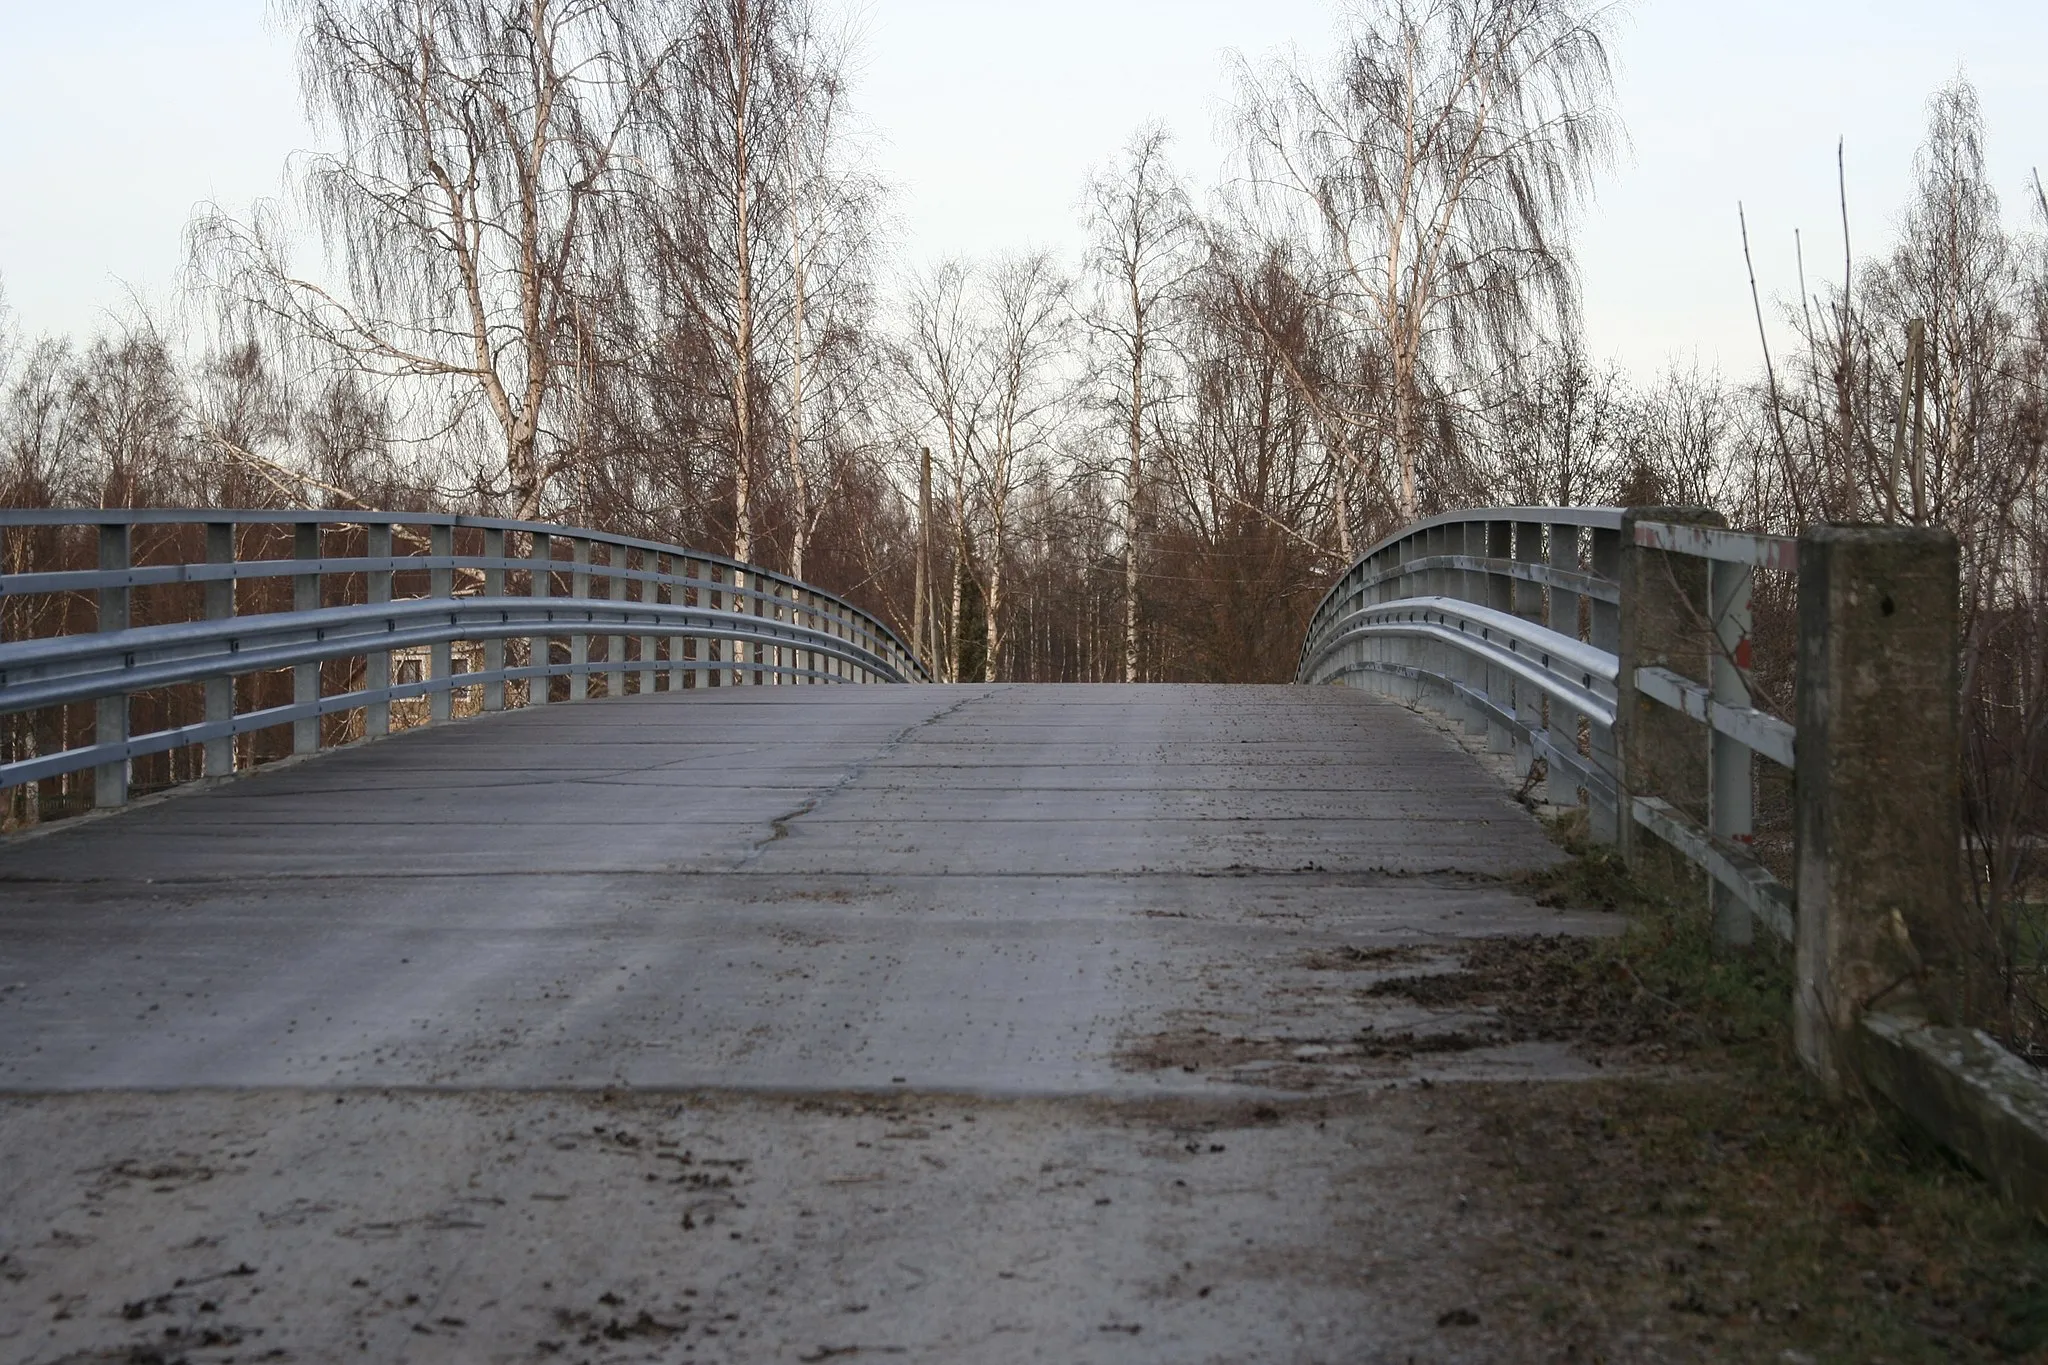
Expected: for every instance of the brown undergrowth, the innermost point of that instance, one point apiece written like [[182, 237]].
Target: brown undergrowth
[[1723, 1210]]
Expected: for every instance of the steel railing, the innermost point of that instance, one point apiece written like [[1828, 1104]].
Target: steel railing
[[719, 621], [1511, 621]]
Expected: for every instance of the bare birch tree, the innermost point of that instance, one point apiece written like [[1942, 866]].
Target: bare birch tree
[[1141, 224], [478, 142], [1021, 347], [942, 386], [1440, 160]]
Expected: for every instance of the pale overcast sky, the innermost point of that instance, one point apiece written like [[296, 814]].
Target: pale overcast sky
[[119, 116]]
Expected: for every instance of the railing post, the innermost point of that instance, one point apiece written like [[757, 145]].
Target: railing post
[[713, 650], [1562, 788], [494, 648], [1729, 761], [1500, 596], [1664, 624], [1879, 816], [1528, 599], [539, 653], [579, 643], [650, 592], [678, 645], [110, 714], [219, 605], [615, 560], [742, 653], [441, 583], [306, 677], [1605, 815], [377, 667]]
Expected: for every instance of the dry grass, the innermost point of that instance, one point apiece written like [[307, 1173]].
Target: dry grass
[[1727, 1212]]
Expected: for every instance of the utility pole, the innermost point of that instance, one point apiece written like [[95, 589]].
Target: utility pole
[[922, 622]]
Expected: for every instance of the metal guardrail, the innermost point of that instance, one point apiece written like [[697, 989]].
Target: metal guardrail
[[724, 622], [1511, 619]]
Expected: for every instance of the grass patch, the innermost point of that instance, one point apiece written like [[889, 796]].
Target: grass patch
[[1727, 1211]]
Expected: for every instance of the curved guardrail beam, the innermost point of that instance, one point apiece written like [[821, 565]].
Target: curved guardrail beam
[[1511, 621], [742, 625]]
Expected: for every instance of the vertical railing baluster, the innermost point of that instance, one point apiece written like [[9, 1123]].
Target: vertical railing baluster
[[615, 560], [680, 647], [494, 648], [715, 650], [110, 714], [650, 592], [1604, 633], [539, 652], [579, 640], [1527, 597], [1500, 596], [1564, 619], [306, 677], [377, 666], [441, 580], [219, 605], [1729, 794]]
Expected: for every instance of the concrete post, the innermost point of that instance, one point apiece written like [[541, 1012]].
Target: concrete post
[[1879, 816], [538, 652], [110, 714], [377, 667], [494, 648], [219, 605], [1664, 624], [441, 583], [306, 677]]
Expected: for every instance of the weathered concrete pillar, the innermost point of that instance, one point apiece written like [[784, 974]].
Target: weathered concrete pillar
[[1665, 623], [1879, 818]]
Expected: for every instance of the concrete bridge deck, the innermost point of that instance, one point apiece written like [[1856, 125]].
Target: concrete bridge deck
[[962, 985]]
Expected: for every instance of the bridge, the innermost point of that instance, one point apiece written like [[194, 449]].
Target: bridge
[[731, 1012]]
